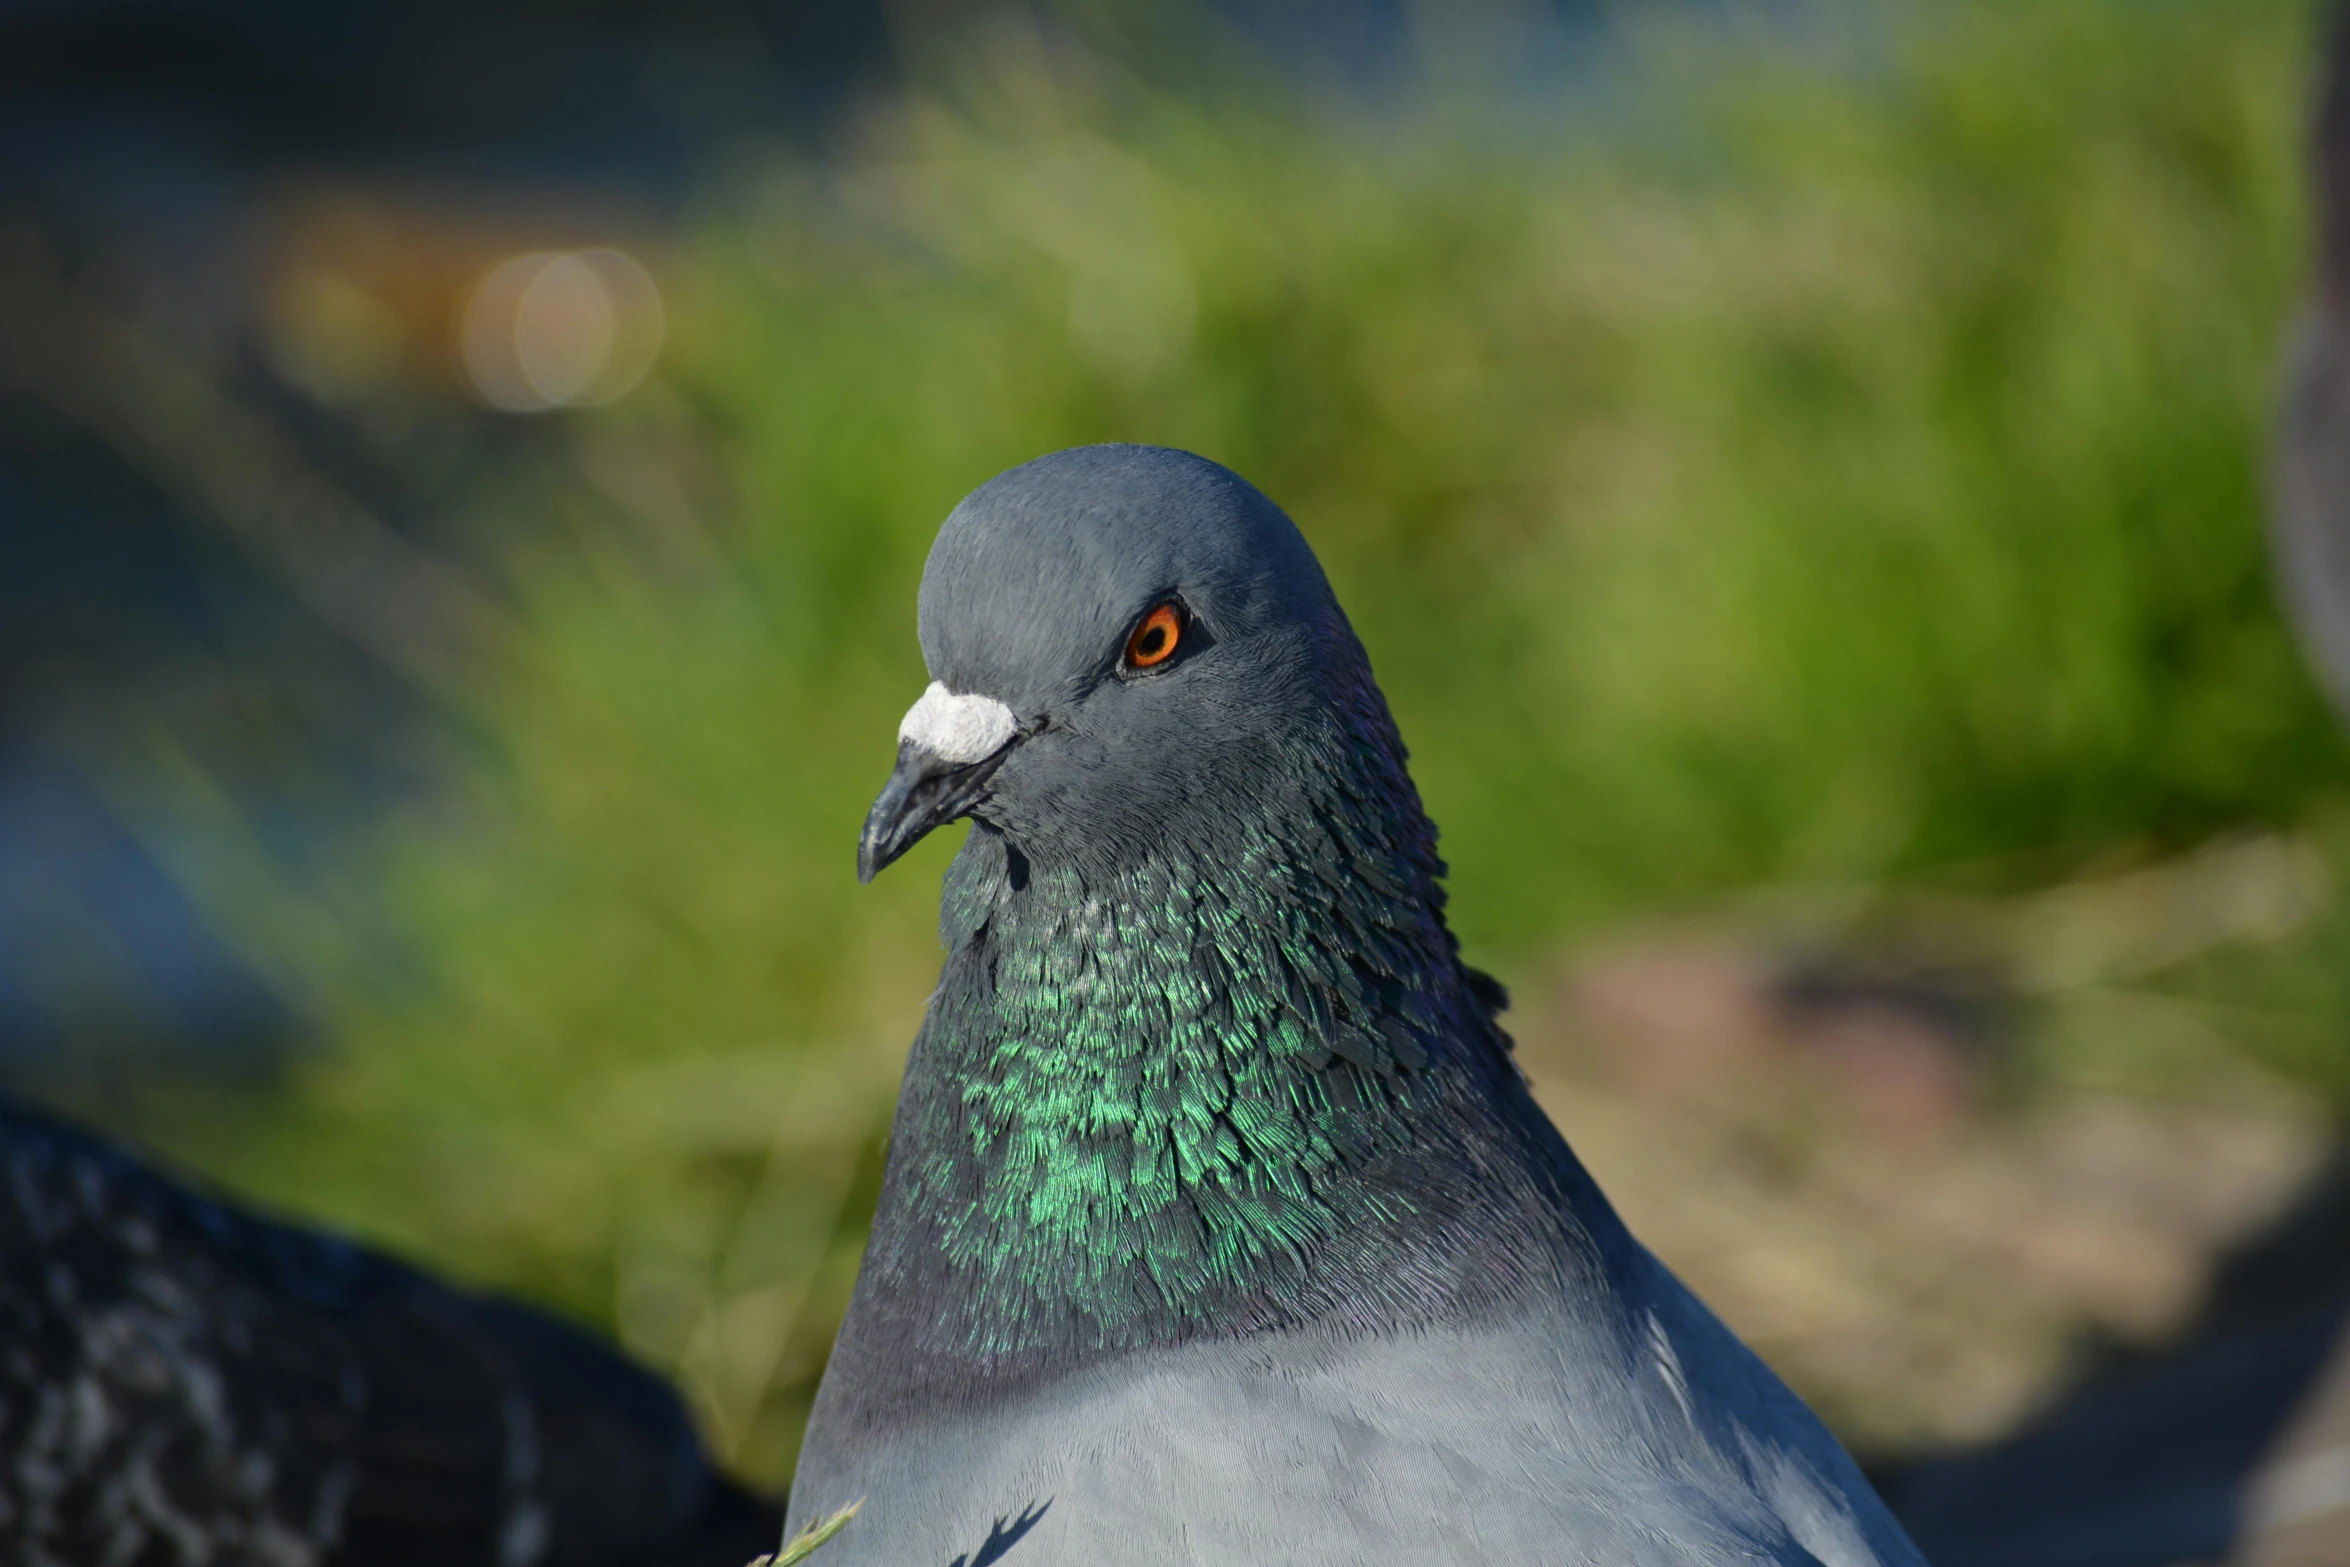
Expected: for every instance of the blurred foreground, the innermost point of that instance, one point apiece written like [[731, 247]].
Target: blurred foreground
[[1801, 491]]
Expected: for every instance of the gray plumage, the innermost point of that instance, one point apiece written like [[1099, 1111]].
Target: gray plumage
[[1218, 1225]]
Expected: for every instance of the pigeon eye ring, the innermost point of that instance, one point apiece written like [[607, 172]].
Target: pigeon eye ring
[[1155, 637]]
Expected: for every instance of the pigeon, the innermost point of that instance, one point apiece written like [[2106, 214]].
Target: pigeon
[[1218, 1224], [183, 1384]]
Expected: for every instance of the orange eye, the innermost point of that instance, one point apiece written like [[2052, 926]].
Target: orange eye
[[1153, 642]]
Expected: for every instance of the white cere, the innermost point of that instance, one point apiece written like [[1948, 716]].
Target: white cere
[[956, 728]]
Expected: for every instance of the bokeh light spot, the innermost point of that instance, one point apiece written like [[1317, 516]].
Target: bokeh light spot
[[551, 329]]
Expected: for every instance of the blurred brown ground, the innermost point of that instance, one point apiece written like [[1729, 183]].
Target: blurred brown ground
[[1896, 1180], [1835, 1176]]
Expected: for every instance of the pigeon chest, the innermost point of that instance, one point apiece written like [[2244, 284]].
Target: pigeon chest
[[1445, 1447]]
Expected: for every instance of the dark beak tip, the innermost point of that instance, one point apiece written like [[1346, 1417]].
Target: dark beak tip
[[875, 851], [923, 793]]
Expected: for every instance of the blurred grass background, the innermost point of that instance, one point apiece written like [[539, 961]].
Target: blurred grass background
[[1824, 452]]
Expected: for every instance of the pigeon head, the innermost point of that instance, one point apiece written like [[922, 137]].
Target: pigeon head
[[1124, 643]]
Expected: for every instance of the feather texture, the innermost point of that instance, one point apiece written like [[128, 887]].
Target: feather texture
[[185, 1383], [1218, 1224]]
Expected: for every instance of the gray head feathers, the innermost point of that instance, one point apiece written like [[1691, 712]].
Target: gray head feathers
[[1037, 576], [1036, 592]]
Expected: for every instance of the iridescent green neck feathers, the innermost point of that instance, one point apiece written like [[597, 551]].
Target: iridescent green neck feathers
[[1243, 1083]]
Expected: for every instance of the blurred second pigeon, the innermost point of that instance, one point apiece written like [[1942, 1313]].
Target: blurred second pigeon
[[186, 1385]]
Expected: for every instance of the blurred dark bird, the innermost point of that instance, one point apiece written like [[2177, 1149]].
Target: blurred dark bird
[[2227, 1444], [183, 1384], [2310, 508], [1218, 1224]]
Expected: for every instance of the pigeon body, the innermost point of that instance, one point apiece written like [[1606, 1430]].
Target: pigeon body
[[1218, 1225], [186, 1385]]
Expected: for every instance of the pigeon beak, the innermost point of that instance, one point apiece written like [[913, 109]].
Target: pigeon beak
[[924, 791], [948, 748]]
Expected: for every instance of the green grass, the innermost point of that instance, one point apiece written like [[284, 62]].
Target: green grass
[[1842, 464], [803, 1545]]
